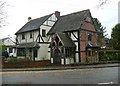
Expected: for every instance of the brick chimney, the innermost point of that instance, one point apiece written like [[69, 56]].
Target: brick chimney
[[29, 18], [57, 14]]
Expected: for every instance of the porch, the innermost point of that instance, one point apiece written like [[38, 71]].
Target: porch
[[28, 50]]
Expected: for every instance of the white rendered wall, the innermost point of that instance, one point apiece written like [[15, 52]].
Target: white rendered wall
[[51, 60], [76, 35], [69, 60], [77, 57], [76, 43], [62, 61], [43, 52], [27, 37]]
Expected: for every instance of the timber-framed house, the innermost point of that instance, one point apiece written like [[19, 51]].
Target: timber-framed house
[[74, 39], [32, 40], [63, 39]]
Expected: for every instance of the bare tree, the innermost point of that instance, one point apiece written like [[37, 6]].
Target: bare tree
[[102, 3], [2, 13]]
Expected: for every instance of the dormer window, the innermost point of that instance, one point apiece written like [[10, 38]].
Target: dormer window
[[23, 36], [43, 33], [31, 35]]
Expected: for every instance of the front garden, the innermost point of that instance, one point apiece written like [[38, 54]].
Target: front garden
[[105, 57]]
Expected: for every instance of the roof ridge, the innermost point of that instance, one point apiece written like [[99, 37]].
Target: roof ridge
[[70, 22], [40, 17], [39, 20], [75, 12]]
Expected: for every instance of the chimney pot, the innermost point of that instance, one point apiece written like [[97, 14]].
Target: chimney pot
[[29, 18], [57, 14]]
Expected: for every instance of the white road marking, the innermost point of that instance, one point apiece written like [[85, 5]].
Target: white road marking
[[105, 83]]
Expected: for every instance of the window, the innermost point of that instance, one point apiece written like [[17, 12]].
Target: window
[[21, 52], [43, 33], [35, 53], [89, 53], [23, 36], [68, 52], [89, 37], [30, 34], [10, 50]]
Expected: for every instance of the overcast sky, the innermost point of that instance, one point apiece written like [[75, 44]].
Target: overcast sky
[[19, 10]]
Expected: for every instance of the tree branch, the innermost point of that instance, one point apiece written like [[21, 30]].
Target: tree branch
[[102, 2]]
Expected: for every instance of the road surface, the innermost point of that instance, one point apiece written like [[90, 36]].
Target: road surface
[[76, 76]]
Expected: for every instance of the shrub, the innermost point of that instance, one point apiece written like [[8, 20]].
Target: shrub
[[15, 59], [109, 55]]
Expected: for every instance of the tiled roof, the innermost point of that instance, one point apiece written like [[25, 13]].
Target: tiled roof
[[28, 45], [70, 22], [67, 41], [33, 24]]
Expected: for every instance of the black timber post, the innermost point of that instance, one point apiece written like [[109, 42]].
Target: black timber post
[[79, 45], [64, 56], [39, 35]]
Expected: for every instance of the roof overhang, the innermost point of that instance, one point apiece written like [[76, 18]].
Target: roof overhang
[[28, 45]]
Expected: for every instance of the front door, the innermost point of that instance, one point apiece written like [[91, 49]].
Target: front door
[[34, 54], [56, 57]]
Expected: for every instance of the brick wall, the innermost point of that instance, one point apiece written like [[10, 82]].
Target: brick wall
[[25, 64], [87, 28]]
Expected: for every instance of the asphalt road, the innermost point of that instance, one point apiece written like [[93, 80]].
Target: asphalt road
[[76, 76]]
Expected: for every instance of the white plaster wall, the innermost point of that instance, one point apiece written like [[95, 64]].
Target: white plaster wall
[[48, 54], [51, 60], [69, 60], [76, 43], [22, 40], [35, 35], [49, 49], [28, 37], [49, 22], [53, 17], [43, 52], [14, 52], [77, 57], [72, 36], [19, 38], [47, 29], [62, 61]]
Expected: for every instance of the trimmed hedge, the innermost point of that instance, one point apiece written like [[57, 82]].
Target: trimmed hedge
[[112, 55], [15, 59]]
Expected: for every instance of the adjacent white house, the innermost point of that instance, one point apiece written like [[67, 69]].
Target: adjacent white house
[[32, 39], [10, 45]]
